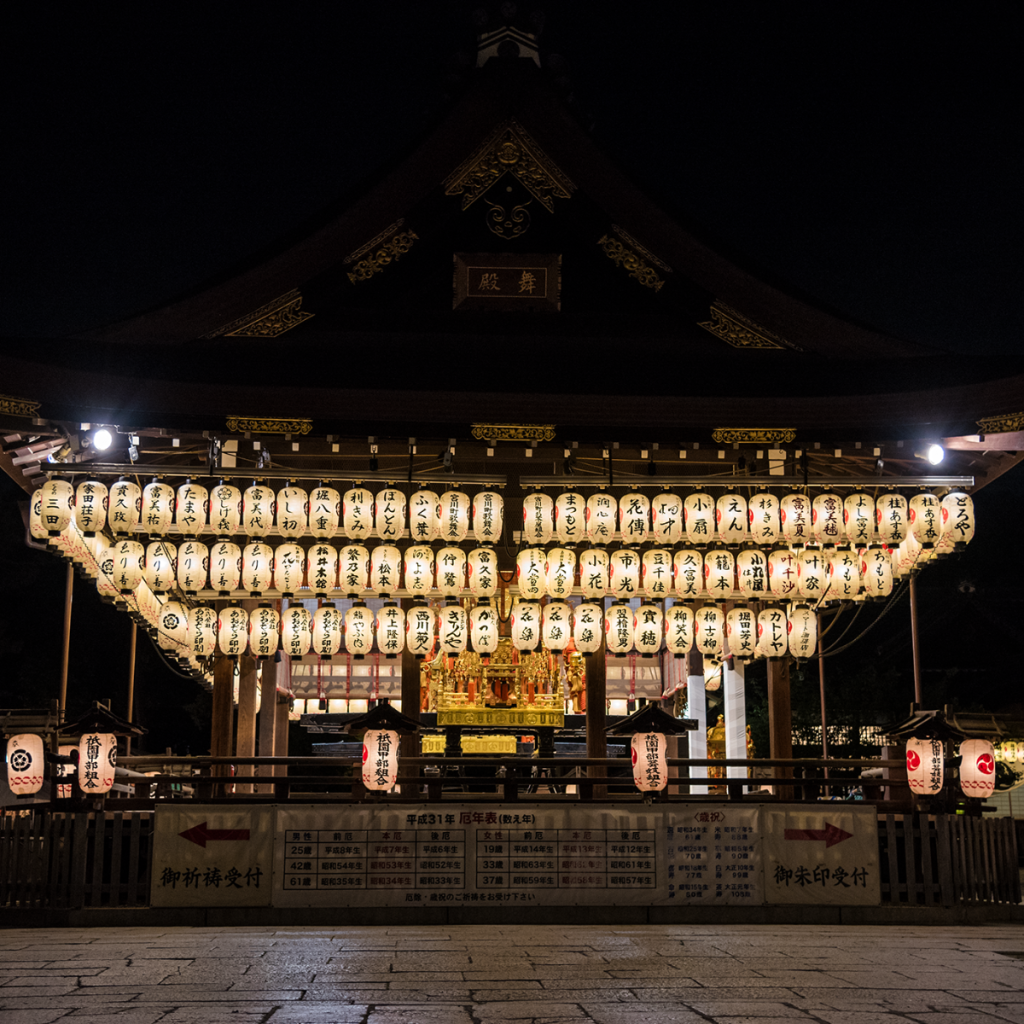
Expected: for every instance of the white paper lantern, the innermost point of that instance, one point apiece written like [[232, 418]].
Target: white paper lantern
[[193, 563], [91, 506], [327, 627], [531, 573], [292, 511], [225, 510], [650, 764], [679, 629], [741, 632], [454, 629], [719, 574], [357, 513], [557, 625], [731, 519], [483, 629], [648, 629], [488, 517], [891, 514], [97, 762], [594, 563], [128, 558], [561, 573], [324, 512], [289, 567], [634, 518], [424, 517], [353, 570], [586, 627], [172, 626], [656, 573], [123, 507], [666, 518], [803, 633], [783, 573], [385, 569], [380, 758], [157, 508], [763, 515], [26, 758], [257, 567], [688, 574], [201, 631], [876, 572], [454, 517], [296, 631], [925, 766], [232, 630], [191, 508], [618, 629], [958, 517], [451, 571], [795, 513], [525, 625], [419, 631], [812, 574], [624, 574], [827, 520], [601, 513], [709, 631], [538, 518], [389, 514], [483, 572], [859, 519], [752, 574], [419, 570], [772, 633], [926, 519], [390, 628], [322, 569], [359, 630], [225, 567], [264, 632], [161, 560], [844, 579], [570, 517], [699, 517], [978, 768]]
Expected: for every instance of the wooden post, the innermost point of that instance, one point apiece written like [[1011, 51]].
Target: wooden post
[[597, 695], [131, 671], [281, 735], [780, 720], [245, 738], [268, 720], [821, 687], [221, 720], [69, 591], [409, 746], [915, 646]]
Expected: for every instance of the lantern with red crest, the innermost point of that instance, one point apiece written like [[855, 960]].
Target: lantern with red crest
[[977, 768]]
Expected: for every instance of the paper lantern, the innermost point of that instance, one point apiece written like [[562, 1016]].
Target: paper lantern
[[876, 572], [978, 768], [353, 570], [772, 633], [482, 564], [324, 512], [594, 564], [765, 526], [802, 631], [296, 631], [531, 573], [570, 517], [201, 631], [454, 629], [812, 574], [752, 574], [667, 518], [557, 625], [783, 573], [380, 758], [157, 508], [795, 514], [731, 519], [264, 632], [124, 505], [91, 507], [525, 625], [289, 567], [128, 561], [650, 765], [225, 567], [648, 629], [57, 502], [678, 629], [359, 630], [25, 764], [191, 508], [925, 515], [390, 628], [618, 629], [538, 518], [634, 518], [424, 517], [624, 574], [844, 579], [827, 520], [561, 573], [322, 569], [891, 516], [709, 631], [719, 574], [419, 570], [97, 762], [160, 563], [451, 571], [600, 514], [741, 633], [385, 569], [257, 567], [488, 517], [357, 513], [656, 573], [859, 519], [226, 510], [925, 768], [292, 511], [586, 627], [454, 517], [958, 517], [699, 518], [172, 626], [327, 626], [688, 574], [483, 629], [232, 630], [419, 631]]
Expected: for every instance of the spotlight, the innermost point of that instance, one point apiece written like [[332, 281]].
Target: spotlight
[[102, 439], [932, 454]]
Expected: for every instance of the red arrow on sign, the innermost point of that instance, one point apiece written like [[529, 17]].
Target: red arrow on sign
[[832, 834], [201, 835]]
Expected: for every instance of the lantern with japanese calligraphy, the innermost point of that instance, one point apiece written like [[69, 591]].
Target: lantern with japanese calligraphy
[[257, 567], [225, 510], [666, 518], [827, 520], [958, 517], [419, 570], [709, 631], [289, 567], [157, 508], [390, 628], [488, 517], [327, 627], [97, 762], [594, 573], [129, 558], [925, 766], [454, 629], [454, 517], [482, 567], [201, 631], [891, 515], [385, 569], [586, 627], [795, 514], [752, 573], [618, 628], [624, 574], [25, 761], [191, 508], [357, 513], [556, 629], [451, 572], [172, 626], [57, 506], [634, 518], [844, 580], [876, 572], [322, 569], [772, 633], [656, 573], [389, 514], [324, 512], [225, 567], [925, 519], [763, 516], [296, 631], [380, 758], [560, 574], [570, 517], [719, 574], [945, 545], [359, 630], [859, 519], [264, 632], [158, 573], [525, 625], [538, 518], [648, 629], [688, 574], [292, 511], [802, 630], [424, 517], [600, 514], [531, 573], [679, 629], [90, 506], [731, 519], [741, 633], [650, 764], [419, 631], [483, 629], [699, 516], [124, 507], [353, 570], [812, 574], [977, 768], [232, 630], [783, 573]]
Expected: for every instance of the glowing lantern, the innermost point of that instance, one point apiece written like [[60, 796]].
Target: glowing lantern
[[752, 573], [25, 762], [322, 569], [891, 515], [292, 511], [557, 625], [201, 631], [483, 572], [424, 517], [160, 562], [844, 576], [876, 571], [709, 631], [795, 512], [525, 625], [925, 519], [859, 519], [688, 574], [667, 518], [803, 633], [359, 630], [451, 571], [324, 512], [225, 567], [380, 758], [570, 518], [172, 626], [827, 520], [123, 508], [257, 567], [741, 633], [264, 632], [385, 569], [561, 573], [719, 574], [488, 517], [232, 630], [650, 765], [624, 573], [296, 631], [634, 518], [192, 505], [586, 628], [763, 516], [389, 514], [699, 514], [648, 628], [958, 517], [454, 517], [128, 559], [925, 769], [97, 762], [483, 629], [454, 629], [600, 514], [357, 513], [538, 518], [419, 631], [225, 510], [772, 633], [353, 570], [618, 629], [594, 573], [157, 508], [978, 768], [390, 630], [419, 570], [656, 571], [289, 567], [327, 626], [531, 573], [783, 573], [678, 629], [91, 507], [731, 519], [812, 574]]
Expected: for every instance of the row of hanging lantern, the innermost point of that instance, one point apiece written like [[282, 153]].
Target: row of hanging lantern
[[926, 767], [97, 762]]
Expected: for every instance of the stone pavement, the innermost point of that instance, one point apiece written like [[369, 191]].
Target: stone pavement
[[515, 974]]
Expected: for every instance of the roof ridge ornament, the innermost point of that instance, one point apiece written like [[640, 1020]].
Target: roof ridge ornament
[[507, 40], [269, 321]]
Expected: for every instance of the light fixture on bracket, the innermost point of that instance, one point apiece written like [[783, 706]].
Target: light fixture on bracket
[[932, 453]]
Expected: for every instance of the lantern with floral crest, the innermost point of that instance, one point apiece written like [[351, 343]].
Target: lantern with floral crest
[[876, 573], [827, 520], [783, 573], [844, 579], [225, 510], [925, 516], [752, 573], [812, 574], [172, 626]]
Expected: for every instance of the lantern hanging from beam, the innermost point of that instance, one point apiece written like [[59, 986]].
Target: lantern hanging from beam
[[667, 518], [454, 629], [424, 517], [679, 629], [324, 512], [958, 517], [752, 573], [91, 507], [292, 511], [353, 570], [925, 519], [389, 514], [650, 764], [357, 513], [201, 631], [844, 579], [891, 519], [538, 518], [97, 762], [419, 631], [257, 511], [812, 574], [158, 574], [827, 520], [570, 517], [709, 631], [191, 509], [172, 626], [656, 573], [225, 567], [322, 569], [699, 517], [25, 764], [257, 567], [586, 627], [488, 517], [795, 513], [560, 574], [688, 574], [876, 572], [763, 517], [232, 630], [772, 633], [123, 509], [482, 566], [454, 517], [557, 625], [594, 573], [731, 519], [296, 631], [226, 510], [451, 572], [624, 574], [289, 567], [634, 518], [264, 632], [380, 758], [859, 519], [925, 768], [390, 627], [419, 570], [525, 625], [977, 768], [483, 629], [802, 629], [783, 573], [741, 633], [600, 515], [531, 573], [618, 629], [385, 569], [129, 558], [327, 627], [359, 630], [719, 574], [648, 629]]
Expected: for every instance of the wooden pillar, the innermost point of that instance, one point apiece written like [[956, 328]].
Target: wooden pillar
[[409, 745], [281, 735], [221, 720], [821, 689], [268, 720], [780, 719], [597, 695], [245, 739], [915, 646], [69, 592]]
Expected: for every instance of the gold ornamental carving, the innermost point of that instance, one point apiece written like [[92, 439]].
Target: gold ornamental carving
[[269, 321], [528, 717], [1008, 424], [631, 262], [739, 331], [514, 431], [646, 253], [11, 406], [391, 244], [265, 425], [760, 435]]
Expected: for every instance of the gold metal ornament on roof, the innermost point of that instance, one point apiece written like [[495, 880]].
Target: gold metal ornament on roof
[[268, 425], [11, 406], [513, 431], [631, 262], [1006, 424], [753, 435], [269, 321], [739, 331], [386, 248]]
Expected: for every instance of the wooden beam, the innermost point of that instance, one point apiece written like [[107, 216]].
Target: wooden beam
[[245, 737], [221, 719], [780, 719], [268, 720], [597, 695]]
